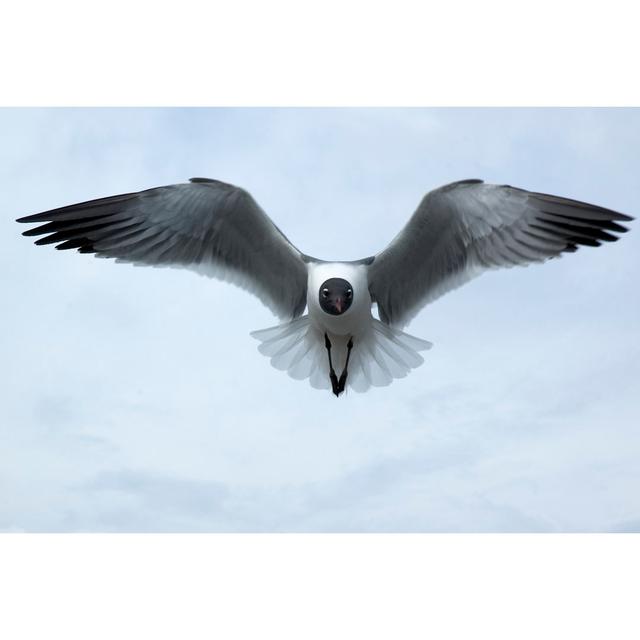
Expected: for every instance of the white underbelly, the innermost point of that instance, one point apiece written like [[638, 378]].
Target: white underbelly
[[344, 325]]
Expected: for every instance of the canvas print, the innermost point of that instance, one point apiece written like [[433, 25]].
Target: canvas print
[[335, 242]]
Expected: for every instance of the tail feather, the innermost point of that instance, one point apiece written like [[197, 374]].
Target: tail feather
[[301, 364], [380, 355], [357, 378], [404, 346], [397, 367], [377, 372]]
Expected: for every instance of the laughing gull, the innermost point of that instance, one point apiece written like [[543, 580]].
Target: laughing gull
[[218, 229]]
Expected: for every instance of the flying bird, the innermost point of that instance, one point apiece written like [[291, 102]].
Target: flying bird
[[218, 229]]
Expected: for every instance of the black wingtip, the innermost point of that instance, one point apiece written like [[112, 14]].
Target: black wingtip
[[609, 214], [36, 217]]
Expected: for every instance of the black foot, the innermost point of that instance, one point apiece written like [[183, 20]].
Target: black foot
[[342, 382], [332, 373], [335, 384]]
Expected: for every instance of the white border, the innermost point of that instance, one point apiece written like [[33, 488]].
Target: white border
[[318, 587], [336, 52]]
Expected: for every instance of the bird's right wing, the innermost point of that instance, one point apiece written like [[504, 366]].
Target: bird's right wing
[[211, 227], [466, 227]]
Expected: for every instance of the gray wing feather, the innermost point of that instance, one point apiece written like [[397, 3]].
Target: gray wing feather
[[208, 226], [464, 228]]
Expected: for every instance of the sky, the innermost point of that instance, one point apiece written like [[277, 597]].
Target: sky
[[134, 399]]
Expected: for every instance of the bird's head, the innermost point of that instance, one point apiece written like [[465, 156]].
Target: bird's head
[[336, 296]]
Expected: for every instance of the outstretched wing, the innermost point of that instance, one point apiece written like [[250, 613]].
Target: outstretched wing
[[463, 228], [208, 226]]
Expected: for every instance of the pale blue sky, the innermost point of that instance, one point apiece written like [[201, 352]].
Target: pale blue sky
[[134, 399]]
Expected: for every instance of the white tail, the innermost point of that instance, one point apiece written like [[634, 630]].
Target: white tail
[[379, 355]]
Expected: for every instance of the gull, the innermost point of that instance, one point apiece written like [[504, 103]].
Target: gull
[[217, 229]]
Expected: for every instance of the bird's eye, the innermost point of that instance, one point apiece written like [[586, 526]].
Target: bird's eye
[[325, 292], [349, 293]]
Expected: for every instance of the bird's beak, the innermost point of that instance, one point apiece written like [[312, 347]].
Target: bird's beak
[[338, 304]]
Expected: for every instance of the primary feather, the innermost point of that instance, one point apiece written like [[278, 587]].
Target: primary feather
[[209, 226], [466, 227]]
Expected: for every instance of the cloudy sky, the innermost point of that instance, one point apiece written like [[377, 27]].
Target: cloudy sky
[[134, 399]]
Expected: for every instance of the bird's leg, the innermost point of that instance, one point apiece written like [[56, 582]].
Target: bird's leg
[[332, 373], [343, 376]]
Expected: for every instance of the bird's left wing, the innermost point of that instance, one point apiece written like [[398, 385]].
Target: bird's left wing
[[208, 226], [463, 228]]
